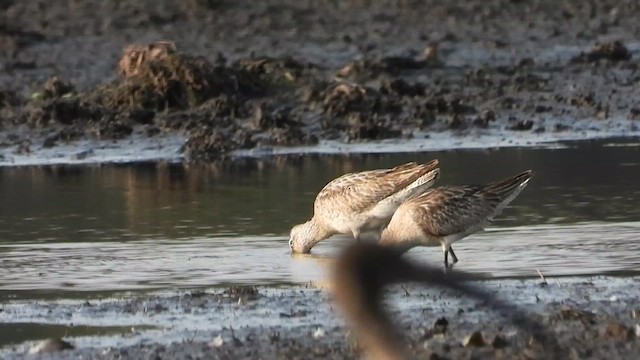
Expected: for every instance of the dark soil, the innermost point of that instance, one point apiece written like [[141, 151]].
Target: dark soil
[[586, 318], [244, 74]]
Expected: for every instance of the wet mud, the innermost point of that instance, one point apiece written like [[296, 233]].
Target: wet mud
[[588, 317], [228, 75], [243, 75]]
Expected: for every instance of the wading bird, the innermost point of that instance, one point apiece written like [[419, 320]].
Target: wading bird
[[444, 215], [361, 202]]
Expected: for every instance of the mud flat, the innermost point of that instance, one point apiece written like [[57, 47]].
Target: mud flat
[[593, 317], [206, 80], [203, 80]]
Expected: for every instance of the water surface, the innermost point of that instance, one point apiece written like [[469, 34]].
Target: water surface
[[150, 226]]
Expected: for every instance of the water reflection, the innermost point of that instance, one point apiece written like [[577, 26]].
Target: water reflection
[[575, 249], [19, 332], [175, 224]]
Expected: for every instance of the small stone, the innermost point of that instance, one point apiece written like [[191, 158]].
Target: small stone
[[217, 341], [274, 336], [83, 154], [485, 118], [430, 53], [542, 108], [613, 51], [49, 142], [455, 122], [575, 314], [54, 88], [618, 332], [499, 342], [346, 71], [440, 326], [51, 345], [521, 125], [489, 115], [474, 339], [319, 333]]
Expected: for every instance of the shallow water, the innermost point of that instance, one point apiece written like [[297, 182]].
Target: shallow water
[[19, 332], [164, 226]]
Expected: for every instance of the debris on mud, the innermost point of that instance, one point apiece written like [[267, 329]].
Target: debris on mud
[[274, 71], [401, 87], [619, 332], [574, 314], [56, 88], [277, 126], [244, 292], [157, 77], [136, 55], [521, 125], [51, 345], [246, 322], [366, 68], [360, 112], [57, 106], [8, 101], [229, 77], [208, 144], [440, 326], [160, 86], [612, 51], [474, 339], [499, 342]]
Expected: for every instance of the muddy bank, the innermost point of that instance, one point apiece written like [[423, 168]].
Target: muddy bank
[[590, 317], [241, 75]]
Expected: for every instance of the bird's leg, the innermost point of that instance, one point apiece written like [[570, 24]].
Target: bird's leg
[[356, 235], [448, 249], [453, 255], [378, 234]]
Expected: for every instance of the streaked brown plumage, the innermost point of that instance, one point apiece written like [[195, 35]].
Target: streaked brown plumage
[[363, 270], [359, 202], [447, 214]]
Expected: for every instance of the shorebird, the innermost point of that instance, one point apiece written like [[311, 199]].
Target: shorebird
[[360, 275], [361, 202], [444, 215]]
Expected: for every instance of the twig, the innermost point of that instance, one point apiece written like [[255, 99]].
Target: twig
[[544, 281]]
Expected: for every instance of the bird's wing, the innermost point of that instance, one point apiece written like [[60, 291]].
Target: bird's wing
[[454, 209], [356, 192]]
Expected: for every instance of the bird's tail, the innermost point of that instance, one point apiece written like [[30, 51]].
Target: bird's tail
[[505, 187]]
